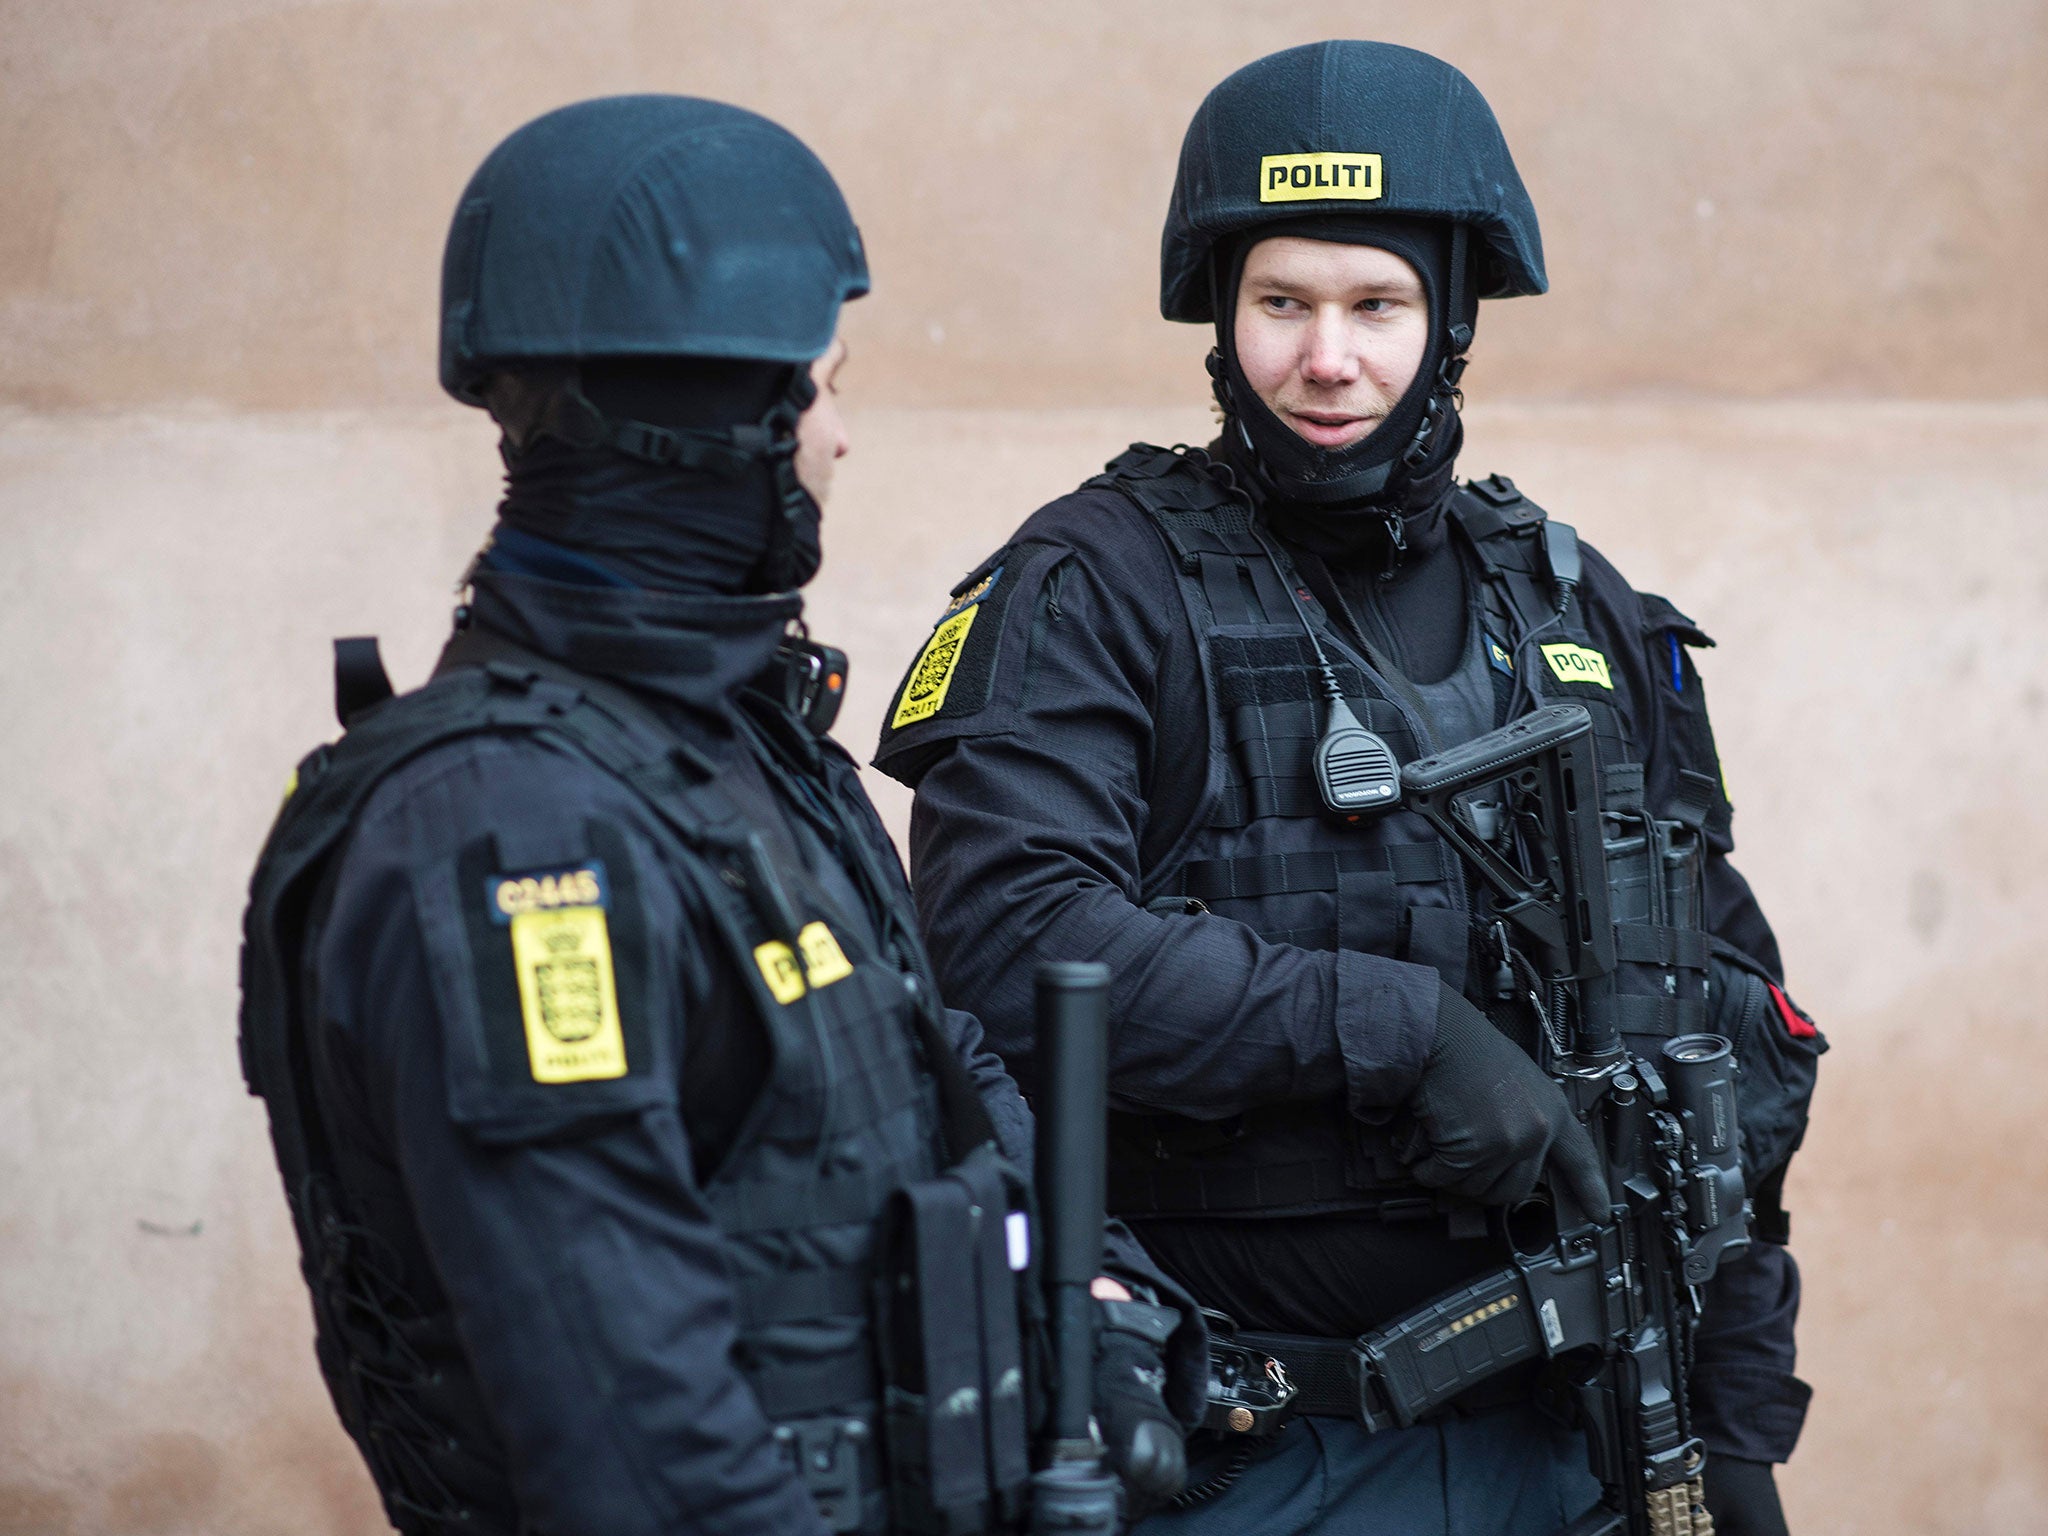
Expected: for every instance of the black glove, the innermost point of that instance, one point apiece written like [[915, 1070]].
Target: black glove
[[1143, 1440], [1742, 1496], [1488, 1122]]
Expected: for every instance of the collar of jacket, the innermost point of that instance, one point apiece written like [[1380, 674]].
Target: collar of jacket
[[1353, 534], [697, 651]]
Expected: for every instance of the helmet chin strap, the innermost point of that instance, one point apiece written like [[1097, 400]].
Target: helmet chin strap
[[535, 402], [792, 556]]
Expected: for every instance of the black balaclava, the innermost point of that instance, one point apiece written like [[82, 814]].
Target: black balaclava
[[1343, 500], [741, 525]]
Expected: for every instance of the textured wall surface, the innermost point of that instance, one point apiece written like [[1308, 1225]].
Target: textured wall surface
[[243, 200], [1790, 376]]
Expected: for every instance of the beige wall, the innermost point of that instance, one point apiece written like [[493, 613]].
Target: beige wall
[[1791, 376], [243, 200]]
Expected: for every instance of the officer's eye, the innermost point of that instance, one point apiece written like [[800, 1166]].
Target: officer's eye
[[1373, 306]]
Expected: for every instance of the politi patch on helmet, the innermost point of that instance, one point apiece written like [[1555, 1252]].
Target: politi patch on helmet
[[1320, 177], [1578, 664], [924, 694]]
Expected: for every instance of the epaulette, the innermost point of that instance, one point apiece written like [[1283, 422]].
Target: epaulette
[[1194, 499], [1494, 505]]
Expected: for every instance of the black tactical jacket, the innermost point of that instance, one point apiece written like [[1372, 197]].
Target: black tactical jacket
[[594, 1216], [1089, 752]]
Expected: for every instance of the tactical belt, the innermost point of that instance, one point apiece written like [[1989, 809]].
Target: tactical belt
[[1227, 1189], [1181, 1189]]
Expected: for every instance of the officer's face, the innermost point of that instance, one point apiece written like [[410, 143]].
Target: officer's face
[[821, 430], [1329, 335]]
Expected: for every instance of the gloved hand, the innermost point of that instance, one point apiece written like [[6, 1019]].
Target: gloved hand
[[1143, 1440], [1488, 1122], [1742, 1496]]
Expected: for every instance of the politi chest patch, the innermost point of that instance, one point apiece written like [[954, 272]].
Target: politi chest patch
[[1578, 664], [789, 974]]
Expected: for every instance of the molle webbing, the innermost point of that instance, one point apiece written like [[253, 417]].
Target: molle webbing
[[1271, 874], [1274, 714], [802, 1295], [745, 1207], [1647, 945], [1517, 596]]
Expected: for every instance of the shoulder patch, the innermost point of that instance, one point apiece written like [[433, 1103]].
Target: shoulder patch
[[558, 991], [954, 674], [562, 963], [931, 675], [568, 995]]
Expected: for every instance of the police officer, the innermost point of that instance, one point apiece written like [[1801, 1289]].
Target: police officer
[[1115, 733], [643, 1184]]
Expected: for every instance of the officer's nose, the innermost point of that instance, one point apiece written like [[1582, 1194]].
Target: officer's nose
[[1328, 357]]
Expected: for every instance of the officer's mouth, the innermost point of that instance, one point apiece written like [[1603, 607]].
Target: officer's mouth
[[1331, 429]]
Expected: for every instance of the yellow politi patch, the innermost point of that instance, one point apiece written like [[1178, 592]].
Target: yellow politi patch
[[567, 994], [925, 694], [1578, 664], [779, 969], [824, 962], [1319, 177]]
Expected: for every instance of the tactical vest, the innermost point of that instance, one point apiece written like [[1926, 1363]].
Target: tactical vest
[[1264, 851], [838, 1176]]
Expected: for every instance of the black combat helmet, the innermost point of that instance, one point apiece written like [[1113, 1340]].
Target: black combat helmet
[[1345, 128], [651, 276], [645, 226], [1364, 143]]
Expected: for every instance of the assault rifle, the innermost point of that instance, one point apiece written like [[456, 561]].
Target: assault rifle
[[1611, 1296]]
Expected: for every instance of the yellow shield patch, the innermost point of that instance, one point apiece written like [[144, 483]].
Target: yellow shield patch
[[1578, 664], [925, 693], [567, 995], [1319, 177]]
